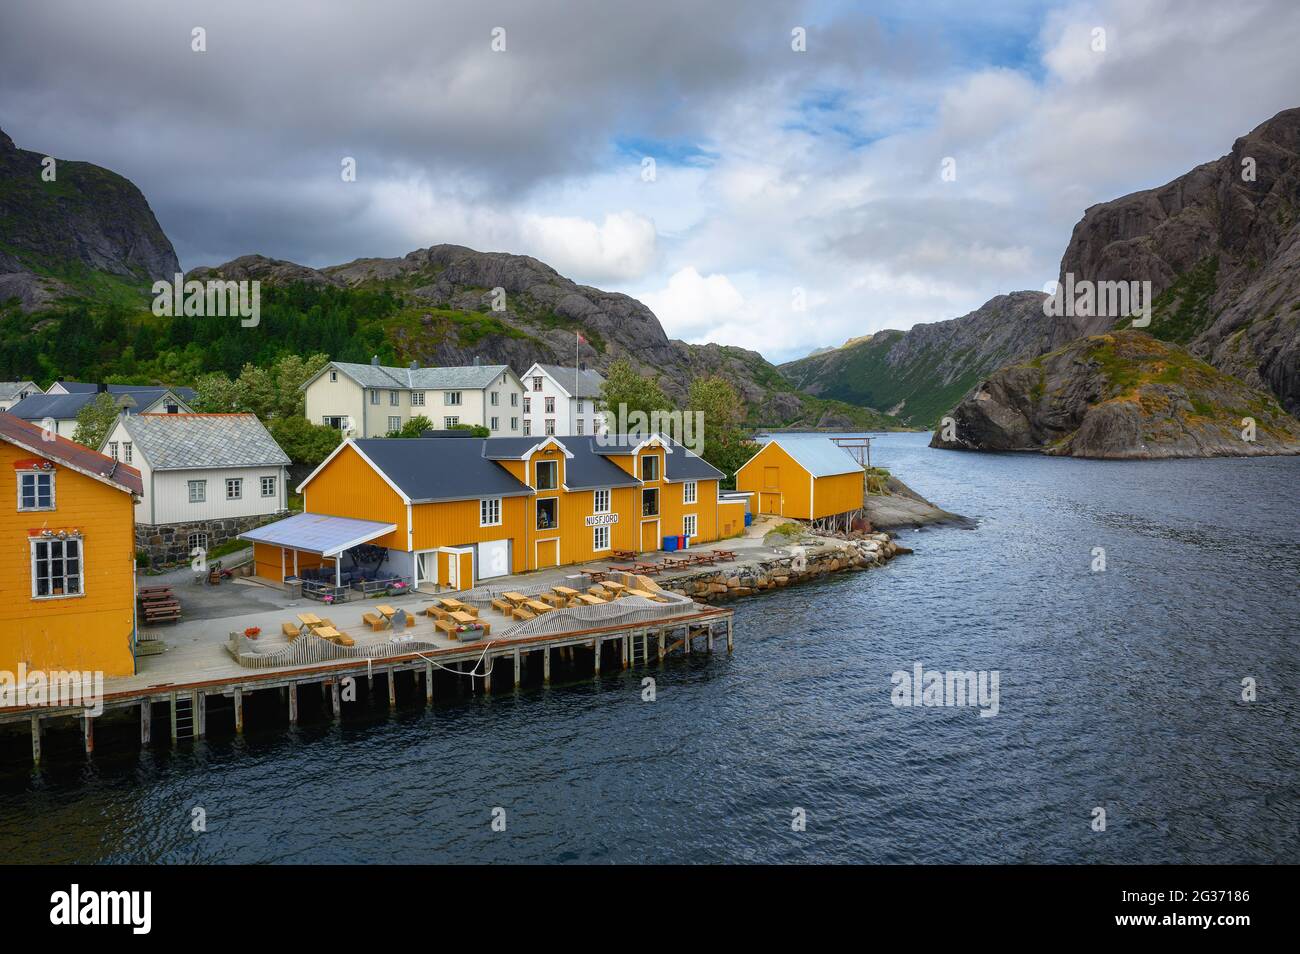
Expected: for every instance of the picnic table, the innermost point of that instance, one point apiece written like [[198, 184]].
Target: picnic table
[[450, 603], [153, 592], [646, 569], [334, 636], [629, 555], [516, 598], [590, 600], [308, 620], [463, 618], [595, 576], [554, 599], [565, 591], [384, 610], [537, 606], [613, 587], [725, 554]]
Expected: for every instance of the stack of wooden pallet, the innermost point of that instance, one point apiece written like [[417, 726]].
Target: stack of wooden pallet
[[158, 604]]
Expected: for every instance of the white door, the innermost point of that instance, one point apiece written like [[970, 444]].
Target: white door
[[493, 559]]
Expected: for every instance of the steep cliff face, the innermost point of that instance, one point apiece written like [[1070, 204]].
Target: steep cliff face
[[1221, 248], [918, 375], [54, 236], [1122, 394], [445, 315]]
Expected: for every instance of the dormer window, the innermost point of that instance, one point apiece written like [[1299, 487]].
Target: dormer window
[[650, 467], [36, 490], [334, 376], [548, 474]]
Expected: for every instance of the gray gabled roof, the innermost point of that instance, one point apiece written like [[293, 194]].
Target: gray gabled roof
[[194, 441], [133, 398], [471, 377], [583, 383], [440, 468], [11, 389], [820, 456]]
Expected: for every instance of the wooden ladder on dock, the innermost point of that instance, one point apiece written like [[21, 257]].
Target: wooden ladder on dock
[[639, 647], [182, 716]]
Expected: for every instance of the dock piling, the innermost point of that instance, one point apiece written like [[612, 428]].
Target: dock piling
[[546, 665], [335, 703], [146, 721], [392, 687], [36, 740], [239, 711], [428, 683], [518, 672], [293, 703], [88, 727]]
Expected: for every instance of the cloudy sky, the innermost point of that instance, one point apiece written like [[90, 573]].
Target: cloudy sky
[[779, 175]]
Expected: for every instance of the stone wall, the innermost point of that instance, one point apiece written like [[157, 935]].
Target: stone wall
[[169, 542], [802, 562]]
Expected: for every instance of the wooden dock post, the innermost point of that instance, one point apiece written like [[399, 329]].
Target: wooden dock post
[[625, 647], [239, 711], [146, 721], [518, 670], [428, 683], [662, 649], [199, 705], [335, 703], [686, 639], [88, 727], [546, 665], [598, 645], [730, 640], [174, 735], [487, 675], [710, 638], [392, 687], [293, 703], [36, 740]]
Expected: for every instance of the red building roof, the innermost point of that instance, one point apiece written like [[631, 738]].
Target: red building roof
[[70, 454]]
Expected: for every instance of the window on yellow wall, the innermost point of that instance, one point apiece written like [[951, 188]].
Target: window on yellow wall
[[489, 512], [548, 474], [601, 502], [689, 492], [650, 467], [600, 538], [548, 511], [689, 525], [36, 491], [56, 568]]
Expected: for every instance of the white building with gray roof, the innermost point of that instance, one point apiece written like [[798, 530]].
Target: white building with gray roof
[[563, 400], [207, 478], [373, 400]]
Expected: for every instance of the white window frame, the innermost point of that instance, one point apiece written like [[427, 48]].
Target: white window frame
[[35, 542], [578, 427], [112, 449], [528, 427], [451, 398], [645, 459], [690, 492], [374, 395], [199, 539], [36, 475], [514, 398], [449, 422], [489, 512], [334, 376], [128, 452], [596, 504], [555, 465], [550, 427], [201, 486], [394, 398], [596, 534], [537, 382], [239, 488], [264, 482], [391, 419], [690, 525], [494, 424], [417, 399], [548, 405], [495, 398], [514, 423], [528, 405], [579, 405]]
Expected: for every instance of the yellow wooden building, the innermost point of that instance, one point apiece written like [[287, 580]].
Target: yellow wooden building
[[457, 510], [67, 574], [805, 477]]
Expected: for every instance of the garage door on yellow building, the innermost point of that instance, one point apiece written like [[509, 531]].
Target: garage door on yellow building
[[548, 553], [771, 503]]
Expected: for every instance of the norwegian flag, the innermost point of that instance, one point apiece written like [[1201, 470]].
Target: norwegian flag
[[581, 339]]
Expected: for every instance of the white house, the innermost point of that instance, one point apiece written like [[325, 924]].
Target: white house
[[57, 408], [207, 478], [11, 392], [372, 400], [562, 400]]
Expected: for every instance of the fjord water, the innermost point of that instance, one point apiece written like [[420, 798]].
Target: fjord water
[[1118, 689]]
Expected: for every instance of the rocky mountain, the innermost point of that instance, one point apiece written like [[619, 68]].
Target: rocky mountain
[[918, 375], [1123, 394], [446, 315], [64, 236], [1221, 248]]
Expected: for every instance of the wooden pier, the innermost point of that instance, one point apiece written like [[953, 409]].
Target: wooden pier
[[187, 701]]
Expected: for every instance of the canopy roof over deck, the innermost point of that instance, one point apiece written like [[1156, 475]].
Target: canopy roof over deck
[[318, 533]]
